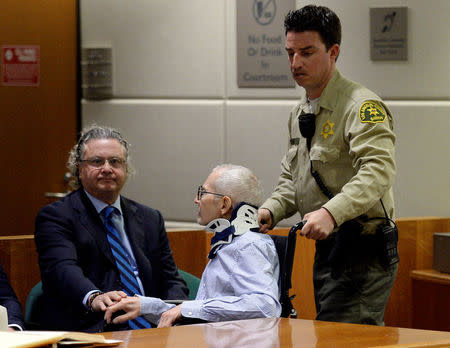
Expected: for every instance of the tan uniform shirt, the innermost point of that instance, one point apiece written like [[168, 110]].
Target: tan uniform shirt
[[353, 151]]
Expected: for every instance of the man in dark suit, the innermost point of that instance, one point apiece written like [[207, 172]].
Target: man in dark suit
[[8, 299], [83, 271]]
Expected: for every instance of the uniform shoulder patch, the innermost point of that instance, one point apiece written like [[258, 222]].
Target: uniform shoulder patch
[[371, 112]]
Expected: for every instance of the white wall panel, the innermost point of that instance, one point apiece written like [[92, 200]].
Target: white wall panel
[[174, 147], [257, 137], [231, 78], [425, 75], [422, 155], [184, 53], [160, 48]]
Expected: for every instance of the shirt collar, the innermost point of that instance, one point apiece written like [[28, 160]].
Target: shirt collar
[[100, 205], [328, 97]]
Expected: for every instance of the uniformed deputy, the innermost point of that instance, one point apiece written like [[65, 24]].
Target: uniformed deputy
[[338, 173]]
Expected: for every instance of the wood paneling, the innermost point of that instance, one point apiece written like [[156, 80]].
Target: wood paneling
[[416, 252], [20, 261], [190, 249], [38, 124], [302, 275], [431, 276], [431, 300]]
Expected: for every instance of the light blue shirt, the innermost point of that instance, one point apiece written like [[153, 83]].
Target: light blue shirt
[[117, 219], [241, 282]]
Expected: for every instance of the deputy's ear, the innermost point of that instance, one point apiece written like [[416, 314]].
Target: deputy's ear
[[334, 51], [226, 206]]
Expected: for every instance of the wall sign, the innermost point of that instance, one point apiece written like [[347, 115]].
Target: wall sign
[[261, 57], [389, 33], [20, 65]]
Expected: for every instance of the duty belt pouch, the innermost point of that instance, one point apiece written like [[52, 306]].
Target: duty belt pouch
[[388, 238], [346, 248]]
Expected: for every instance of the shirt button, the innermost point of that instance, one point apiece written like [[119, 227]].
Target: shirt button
[[189, 313]]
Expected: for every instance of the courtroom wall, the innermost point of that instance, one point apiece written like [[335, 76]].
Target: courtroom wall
[[176, 97]]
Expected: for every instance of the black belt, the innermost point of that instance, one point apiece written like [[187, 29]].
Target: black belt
[[349, 246]]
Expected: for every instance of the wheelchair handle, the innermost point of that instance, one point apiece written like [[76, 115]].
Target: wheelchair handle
[[298, 226]]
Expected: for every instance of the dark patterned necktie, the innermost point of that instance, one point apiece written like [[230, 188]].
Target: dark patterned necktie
[[127, 277]]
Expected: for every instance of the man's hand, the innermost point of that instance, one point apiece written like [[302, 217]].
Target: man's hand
[[170, 317], [320, 223], [101, 302], [264, 220], [130, 305]]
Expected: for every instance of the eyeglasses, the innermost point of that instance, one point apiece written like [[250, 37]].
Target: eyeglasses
[[98, 162], [201, 191]]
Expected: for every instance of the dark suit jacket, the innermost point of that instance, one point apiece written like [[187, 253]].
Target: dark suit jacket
[[9, 300], [75, 258]]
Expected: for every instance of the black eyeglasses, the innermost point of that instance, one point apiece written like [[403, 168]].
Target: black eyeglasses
[[201, 191], [98, 162]]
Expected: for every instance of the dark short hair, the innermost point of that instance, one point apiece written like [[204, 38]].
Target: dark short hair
[[315, 18]]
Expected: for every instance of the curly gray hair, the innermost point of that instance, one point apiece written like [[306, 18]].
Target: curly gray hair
[[94, 132], [239, 183]]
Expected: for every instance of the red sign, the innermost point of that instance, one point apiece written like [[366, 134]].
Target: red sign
[[20, 65]]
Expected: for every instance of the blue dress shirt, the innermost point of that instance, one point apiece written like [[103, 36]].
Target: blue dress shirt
[[241, 282], [117, 219]]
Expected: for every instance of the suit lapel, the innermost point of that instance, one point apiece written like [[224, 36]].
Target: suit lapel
[[135, 230], [91, 221], [133, 224]]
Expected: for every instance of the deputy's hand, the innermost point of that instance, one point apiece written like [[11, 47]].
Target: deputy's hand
[[101, 302], [130, 305], [264, 220], [320, 223], [169, 317]]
